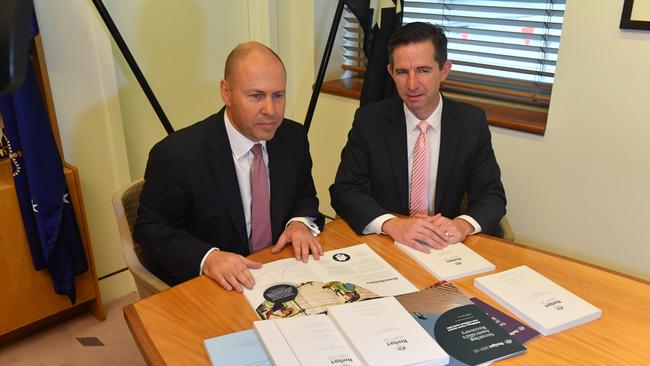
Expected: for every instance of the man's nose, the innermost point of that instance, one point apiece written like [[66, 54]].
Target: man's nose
[[267, 105], [411, 81]]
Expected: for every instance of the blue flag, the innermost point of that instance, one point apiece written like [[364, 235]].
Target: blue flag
[[43, 197]]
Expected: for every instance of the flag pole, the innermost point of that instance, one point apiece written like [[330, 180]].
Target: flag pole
[[323, 65], [133, 65]]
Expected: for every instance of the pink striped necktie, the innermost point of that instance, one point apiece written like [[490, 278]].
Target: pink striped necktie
[[419, 203], [260, 203]]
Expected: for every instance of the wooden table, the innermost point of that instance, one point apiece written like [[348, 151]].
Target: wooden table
[[170, 327]]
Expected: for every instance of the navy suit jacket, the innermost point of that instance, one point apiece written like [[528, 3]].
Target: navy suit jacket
[[191, 201], [372, 178]]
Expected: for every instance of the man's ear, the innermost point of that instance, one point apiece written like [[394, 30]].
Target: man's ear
[[389, 68], [446, 69], [225, 92]]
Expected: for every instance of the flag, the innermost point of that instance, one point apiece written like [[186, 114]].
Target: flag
[[47, 213], [378, 19]]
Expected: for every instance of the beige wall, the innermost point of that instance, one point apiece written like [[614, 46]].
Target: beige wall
[[580, 190]]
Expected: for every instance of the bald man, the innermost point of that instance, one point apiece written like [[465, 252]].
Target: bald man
[[234, 183]]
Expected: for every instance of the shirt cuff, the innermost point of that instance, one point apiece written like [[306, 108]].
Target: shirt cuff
[[374, 227], [477, 227], [204, 257], [308, 221]]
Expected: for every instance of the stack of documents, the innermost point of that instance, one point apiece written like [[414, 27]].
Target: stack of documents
[[540, 302]]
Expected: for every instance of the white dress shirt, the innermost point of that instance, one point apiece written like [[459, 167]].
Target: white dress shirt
[[433, 138], [242, 156]]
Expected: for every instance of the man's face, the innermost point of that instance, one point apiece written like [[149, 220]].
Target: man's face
[[254, 95], [417, 77]]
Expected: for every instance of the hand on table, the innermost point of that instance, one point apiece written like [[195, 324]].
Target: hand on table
[[302, 240], [230, 270], [422, 232]]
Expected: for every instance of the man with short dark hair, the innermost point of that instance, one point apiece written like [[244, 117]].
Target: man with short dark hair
[[409, 162], [232, 184]]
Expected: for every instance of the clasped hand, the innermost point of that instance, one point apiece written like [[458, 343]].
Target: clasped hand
[[422, 232]]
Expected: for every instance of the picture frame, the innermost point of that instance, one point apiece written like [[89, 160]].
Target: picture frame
[[636, 15]]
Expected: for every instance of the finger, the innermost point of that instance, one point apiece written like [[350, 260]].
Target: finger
[[316, 249], [433, 218], [233, 281], [297, 252], [251, 263], [222, 281], [282, 241], [431, 240], [305, 250], [245, 278], [417, 246]]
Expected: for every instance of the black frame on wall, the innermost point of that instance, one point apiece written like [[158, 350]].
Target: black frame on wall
[[626, 17]]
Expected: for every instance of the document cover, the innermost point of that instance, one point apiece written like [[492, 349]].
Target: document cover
[[466, 333], [540, 302]]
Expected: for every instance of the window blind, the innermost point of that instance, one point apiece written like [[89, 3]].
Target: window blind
[[503, 49], [354, 59]]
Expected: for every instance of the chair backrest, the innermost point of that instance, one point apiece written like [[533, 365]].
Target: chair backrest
[[126, 203], [130, 198]]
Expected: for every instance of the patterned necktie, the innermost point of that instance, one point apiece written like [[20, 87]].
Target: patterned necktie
[[419, 203], [260, 203]]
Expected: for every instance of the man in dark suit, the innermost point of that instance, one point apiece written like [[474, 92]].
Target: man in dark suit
[[419, 155], [231, 184]]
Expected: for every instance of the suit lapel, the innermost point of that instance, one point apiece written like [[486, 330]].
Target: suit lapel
[[396, 142], [449, 142], [223, 170]]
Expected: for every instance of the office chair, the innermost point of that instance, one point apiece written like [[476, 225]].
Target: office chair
[[125, 204]]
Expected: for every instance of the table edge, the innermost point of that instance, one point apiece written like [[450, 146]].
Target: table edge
[[148, 350]]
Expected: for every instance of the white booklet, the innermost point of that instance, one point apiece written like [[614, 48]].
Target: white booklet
[[454, 261], [375, 332], [305, 340], [287, 287], [540, 302], [382, 332]]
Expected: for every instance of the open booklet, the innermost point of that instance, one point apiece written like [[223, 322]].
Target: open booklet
[[287, 287], [375, 332], [454, 261]]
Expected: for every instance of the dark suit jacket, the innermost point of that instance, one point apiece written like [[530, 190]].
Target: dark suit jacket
[[191, 201], [372, 178]]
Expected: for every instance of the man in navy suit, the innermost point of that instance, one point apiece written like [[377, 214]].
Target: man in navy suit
[[408, 162], [198, 210]]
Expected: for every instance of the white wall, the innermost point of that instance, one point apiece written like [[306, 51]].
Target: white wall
[[582, 189]]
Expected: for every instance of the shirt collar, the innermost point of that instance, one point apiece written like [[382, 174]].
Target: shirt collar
[[239, 144], [433, 120]]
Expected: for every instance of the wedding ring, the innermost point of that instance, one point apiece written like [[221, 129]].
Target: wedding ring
[[447, 234]]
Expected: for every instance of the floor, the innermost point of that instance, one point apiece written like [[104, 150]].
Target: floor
[[106, 343]]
